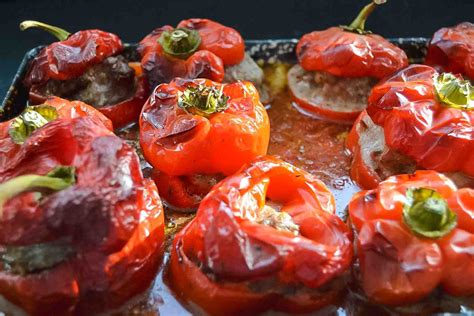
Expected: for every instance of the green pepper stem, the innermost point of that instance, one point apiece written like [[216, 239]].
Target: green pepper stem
[[454, 92], [359, 21], [58, 179], [427, 213], [59, 33], [203, 100]]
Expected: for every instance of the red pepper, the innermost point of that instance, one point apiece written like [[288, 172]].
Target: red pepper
[[345, 52], [97, 206], [420, 229], [452, 50], [71, 57], [190, 127], [60, 109], [425, 116], [241, 256], [197, 48]]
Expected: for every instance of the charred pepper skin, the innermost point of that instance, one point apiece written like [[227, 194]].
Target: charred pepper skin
[[220, 46], [178, 143], [210, 264], [69, 58], [386, 240], [111, 217], [451, 49]]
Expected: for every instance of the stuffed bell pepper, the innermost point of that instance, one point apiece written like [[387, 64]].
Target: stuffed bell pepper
[[14, 132], [416, 119], [195, 132], [198, 48], [338, 67], [417, 232], [81, 230], [265, 238], [452, 50], [87, 66]]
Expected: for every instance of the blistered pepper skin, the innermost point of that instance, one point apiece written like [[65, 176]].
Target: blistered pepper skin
[[112, 218], [348, 54], [451, 49], [70, 58], [413, 266], [220, 46], [65, 109], [223, 251], [418, 125], [179, 143]]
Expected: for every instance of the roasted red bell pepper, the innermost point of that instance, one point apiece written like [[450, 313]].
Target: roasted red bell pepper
[[265, 238], [196, 48], [417, 231], [344, 55], [451, 49], [191, 127], [15, 131], [423, 116], [65, 64], [81, 229]]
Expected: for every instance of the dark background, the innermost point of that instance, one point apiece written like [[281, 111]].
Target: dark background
[[255, 19]]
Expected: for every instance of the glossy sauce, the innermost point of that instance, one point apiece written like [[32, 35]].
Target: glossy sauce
[[316, 146]]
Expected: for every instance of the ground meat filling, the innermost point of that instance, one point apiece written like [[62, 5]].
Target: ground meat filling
[[248, 70], [107, 83], [281, 221], [377, 155], [34, 258], [335, 93]]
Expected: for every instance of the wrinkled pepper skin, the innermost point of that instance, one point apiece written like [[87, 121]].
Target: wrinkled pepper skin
[[347, 54], [178, 143], [219, 260], [69, 59], [220, 46], [413, 266], [418, 125], [65, 109], [451, 49], [111, 217]]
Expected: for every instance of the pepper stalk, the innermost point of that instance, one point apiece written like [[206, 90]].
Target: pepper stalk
[[180, 43], [203, 100], [358, 25], [454, 92], [58, 179], [427, 213], [57, 32]]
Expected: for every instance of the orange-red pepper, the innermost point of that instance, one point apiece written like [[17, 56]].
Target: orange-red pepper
[[417, 231], [239, 256], [196, 48], [346, 52], [179, 138], [107, 218], [61, 109], [425, 116], [451, 49], [70, 57]]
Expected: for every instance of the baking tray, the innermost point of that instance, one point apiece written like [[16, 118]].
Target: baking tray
[[265, 50], [159, 300]]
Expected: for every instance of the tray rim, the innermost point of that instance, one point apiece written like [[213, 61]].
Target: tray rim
[[248, 43]]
